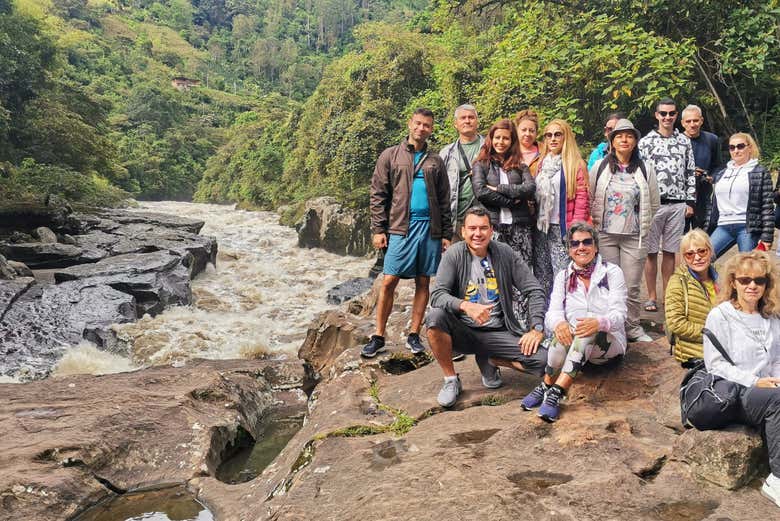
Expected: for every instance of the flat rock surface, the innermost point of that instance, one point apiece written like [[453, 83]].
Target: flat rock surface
[[158, 425]]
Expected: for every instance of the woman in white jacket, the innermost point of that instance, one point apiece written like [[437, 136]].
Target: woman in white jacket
[[746, 324], [587, 317]]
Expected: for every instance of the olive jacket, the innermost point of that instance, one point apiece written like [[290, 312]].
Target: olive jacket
[[686, 307]]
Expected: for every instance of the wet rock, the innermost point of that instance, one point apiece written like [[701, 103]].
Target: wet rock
[[39, 322], [22, 270], [153, 218], [347, 290], [39, 255], [730, 457], [30, 215], [156, 280], [158, 425], [328, 225], [7, 271], [45, 234]]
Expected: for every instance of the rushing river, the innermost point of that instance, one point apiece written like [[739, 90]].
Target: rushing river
[[259, 299]]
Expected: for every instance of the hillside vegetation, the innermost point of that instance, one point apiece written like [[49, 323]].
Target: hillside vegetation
[[296, 98]]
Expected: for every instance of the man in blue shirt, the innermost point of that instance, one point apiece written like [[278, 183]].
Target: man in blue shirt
[[411, 217], [707, 156]]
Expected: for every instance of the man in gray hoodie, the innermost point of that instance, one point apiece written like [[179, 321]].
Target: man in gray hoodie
[[471, 308]]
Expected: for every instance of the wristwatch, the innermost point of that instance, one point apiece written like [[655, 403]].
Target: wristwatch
[[539, 328]]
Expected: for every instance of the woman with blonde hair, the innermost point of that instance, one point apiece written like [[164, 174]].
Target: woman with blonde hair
[[527, 124], [562, 194], [747, 326], [690, 295], [742, 210]]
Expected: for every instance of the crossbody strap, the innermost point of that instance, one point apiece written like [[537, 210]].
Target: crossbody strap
[[464, 159], [715, 342]]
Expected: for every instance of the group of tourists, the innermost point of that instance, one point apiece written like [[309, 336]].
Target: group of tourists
[[539, 257]]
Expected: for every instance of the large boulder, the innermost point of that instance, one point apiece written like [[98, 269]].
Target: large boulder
[[730, 457], [44, 234], [156, 280], [39, 322], [7, 272], [328, 225]]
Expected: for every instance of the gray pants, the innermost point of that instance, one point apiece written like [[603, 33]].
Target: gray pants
[[624, 251], [485, 343], [761, 409]]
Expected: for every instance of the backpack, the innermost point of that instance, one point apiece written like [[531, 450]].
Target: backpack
[[708, 401]]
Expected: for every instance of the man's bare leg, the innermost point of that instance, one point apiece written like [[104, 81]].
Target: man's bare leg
[[651, 275], [667, 268], [384, 304], [420, 302], [441, 346]]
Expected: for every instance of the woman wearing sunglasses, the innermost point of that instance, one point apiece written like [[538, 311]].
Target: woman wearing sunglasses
[[503, 184], [561, 195], [586, 317], [624, 199], [742, 210], [746, 324], [690, 296]]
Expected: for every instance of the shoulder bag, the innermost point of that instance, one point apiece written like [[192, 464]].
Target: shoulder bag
[[708, 401]]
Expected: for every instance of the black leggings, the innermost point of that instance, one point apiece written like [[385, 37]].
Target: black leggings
[[761, 409]]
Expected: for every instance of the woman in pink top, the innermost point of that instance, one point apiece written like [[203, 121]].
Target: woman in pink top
[[562, 194]]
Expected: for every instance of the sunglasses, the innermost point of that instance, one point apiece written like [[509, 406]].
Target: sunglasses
[[557, 133], [744, 281], [584, 242], [691, 254], [738, 146], [664, 113]]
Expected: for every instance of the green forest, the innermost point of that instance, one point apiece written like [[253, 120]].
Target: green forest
[[290, 99]]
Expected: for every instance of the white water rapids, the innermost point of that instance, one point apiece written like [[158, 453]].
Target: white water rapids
[[260, 298]]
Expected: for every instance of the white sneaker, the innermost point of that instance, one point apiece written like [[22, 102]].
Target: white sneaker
[[449, 391], [771, 489], [644, 337]]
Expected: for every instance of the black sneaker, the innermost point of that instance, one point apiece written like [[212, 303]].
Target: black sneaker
[[414, 344], [457, 357], [374, 346]]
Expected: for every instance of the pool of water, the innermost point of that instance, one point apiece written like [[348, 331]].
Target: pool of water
[[249, 460], [172, 503]]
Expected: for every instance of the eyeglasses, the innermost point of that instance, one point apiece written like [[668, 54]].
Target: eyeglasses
[[691, 254], [760, 281], [738, 146], [557, 133], [584, 242], [663, 113]]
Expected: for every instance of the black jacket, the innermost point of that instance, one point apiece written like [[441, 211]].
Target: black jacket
[[761, 208], [518, 195]]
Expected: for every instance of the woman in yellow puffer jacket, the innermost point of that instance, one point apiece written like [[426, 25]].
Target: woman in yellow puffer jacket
[[690, 296]]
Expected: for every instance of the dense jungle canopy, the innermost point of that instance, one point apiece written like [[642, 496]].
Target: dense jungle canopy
[[295, 98]]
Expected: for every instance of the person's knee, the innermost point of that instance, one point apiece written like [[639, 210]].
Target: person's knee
[[437, 319], [422, 282], [389, 282]]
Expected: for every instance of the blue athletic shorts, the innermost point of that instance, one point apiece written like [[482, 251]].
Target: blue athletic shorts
[[414, 255]]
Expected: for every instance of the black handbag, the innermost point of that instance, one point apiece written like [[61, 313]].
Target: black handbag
[[708, 401]]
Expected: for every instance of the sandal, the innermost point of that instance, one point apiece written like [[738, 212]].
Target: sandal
[[651, 306]]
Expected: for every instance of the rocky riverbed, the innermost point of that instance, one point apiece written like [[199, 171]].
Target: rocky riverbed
[[69, 276], [374, 444]]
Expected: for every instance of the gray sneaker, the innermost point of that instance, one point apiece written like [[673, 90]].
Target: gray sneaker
[[449, 392], [491, 377]]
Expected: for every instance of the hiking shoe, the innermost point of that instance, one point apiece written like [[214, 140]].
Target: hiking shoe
[[771, 489], [374, 346], [535, 398], [449, 391], [457, 357], [414, 344], [551, 409], [644, 337], [491, 377]]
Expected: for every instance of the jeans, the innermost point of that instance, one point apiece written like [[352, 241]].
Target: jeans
[[727, 235]]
